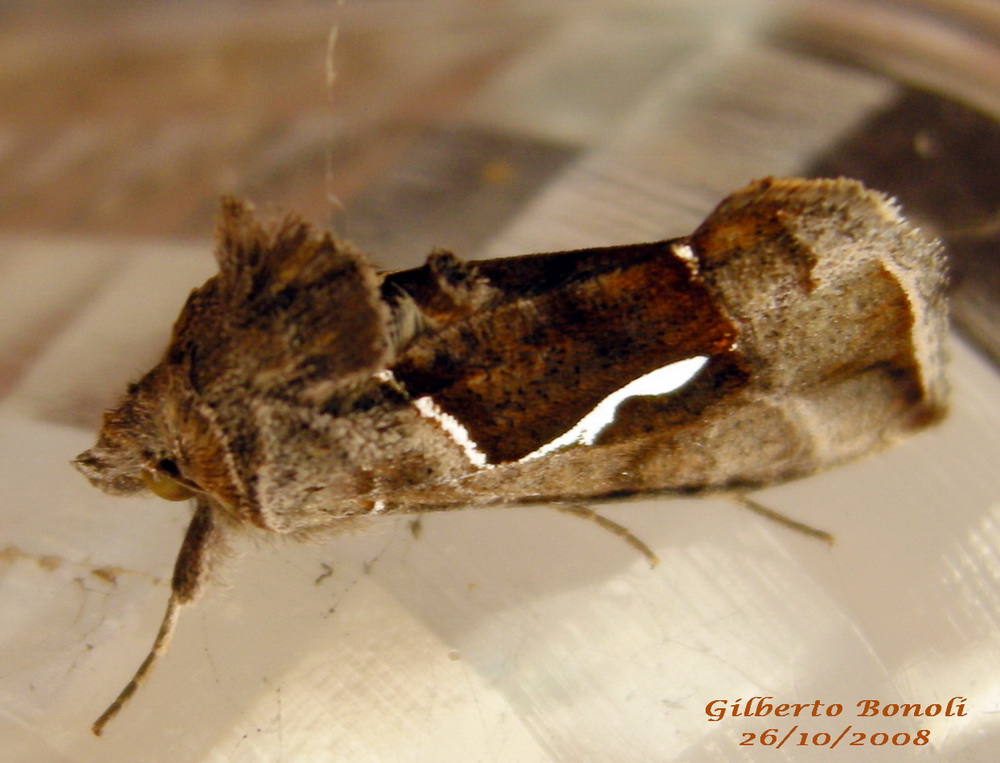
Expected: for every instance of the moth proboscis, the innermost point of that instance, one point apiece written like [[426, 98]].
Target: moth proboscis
[[304, 391]]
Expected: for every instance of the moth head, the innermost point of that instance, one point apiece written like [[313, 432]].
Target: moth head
[[131, 454], [292, 315], [162, 439]]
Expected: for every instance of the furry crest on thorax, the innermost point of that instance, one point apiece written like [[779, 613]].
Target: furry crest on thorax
[[292, 314]]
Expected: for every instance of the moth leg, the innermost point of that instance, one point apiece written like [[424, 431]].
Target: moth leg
[[190, 572], [587, 513], [813, 532]]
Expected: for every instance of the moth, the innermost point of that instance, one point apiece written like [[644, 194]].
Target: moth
[[305, 391]]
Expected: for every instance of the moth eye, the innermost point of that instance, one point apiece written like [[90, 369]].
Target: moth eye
[[163, 481], [169, 467]]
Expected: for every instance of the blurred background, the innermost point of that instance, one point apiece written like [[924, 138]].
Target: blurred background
[[492, 129]]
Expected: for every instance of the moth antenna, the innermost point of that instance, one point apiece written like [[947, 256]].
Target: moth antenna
[[159, 648], [622, 532], [785, 521]]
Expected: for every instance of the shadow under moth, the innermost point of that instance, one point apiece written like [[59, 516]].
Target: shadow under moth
[[304, 391]]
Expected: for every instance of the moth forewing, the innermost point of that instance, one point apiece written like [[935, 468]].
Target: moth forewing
[[800, 326]]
